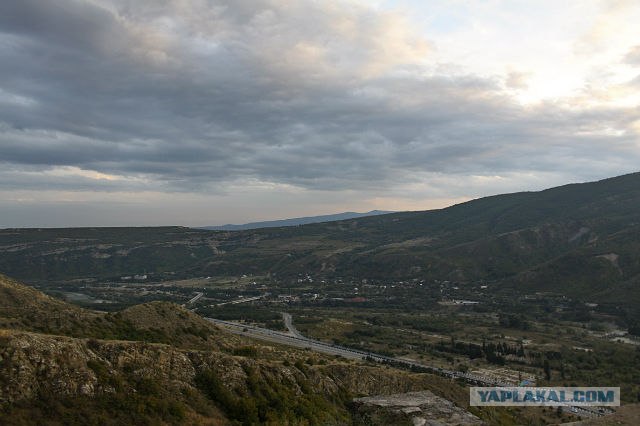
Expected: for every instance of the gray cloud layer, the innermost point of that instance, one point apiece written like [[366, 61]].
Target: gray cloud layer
[[185, 96]]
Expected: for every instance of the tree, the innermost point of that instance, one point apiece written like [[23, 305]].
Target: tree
[[547, 369]]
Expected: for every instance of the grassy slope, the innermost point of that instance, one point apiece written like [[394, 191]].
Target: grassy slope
[[24, 308]]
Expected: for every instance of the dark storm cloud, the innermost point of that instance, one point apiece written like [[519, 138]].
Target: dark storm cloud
[[189, 95]]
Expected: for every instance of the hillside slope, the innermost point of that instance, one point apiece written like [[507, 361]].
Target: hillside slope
[[295, 221], [200, 375], [25, 308], [580, 240], [79, 381]]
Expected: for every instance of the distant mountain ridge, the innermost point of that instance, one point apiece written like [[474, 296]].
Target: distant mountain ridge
[[579, 240], [295, 221]]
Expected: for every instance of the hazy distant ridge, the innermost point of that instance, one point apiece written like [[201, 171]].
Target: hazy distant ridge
[[295, 221]]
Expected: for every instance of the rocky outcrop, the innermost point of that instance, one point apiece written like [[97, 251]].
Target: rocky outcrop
[[414, 408], [33, 364]]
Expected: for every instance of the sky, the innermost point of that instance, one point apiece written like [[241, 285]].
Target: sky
[[202, 112]]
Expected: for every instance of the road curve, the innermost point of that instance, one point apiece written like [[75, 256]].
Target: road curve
[[288, 322]]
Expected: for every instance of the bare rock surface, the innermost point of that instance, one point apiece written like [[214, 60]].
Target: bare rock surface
[[413, 408]]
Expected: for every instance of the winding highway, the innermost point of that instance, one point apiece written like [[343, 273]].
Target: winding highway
[[296, 339]]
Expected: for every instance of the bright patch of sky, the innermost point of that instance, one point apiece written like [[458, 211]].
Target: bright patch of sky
[[543, 49]]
